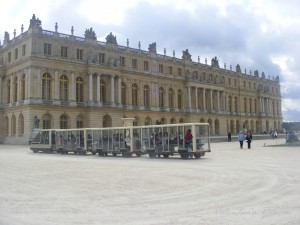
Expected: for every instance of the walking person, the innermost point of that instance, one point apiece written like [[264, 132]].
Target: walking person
[[241, 139], [229, 136], [249, 139]]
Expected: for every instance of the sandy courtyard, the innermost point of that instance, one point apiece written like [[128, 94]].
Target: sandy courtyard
[[227, 186]]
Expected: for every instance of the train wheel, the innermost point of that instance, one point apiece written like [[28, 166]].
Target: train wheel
[[114, 154], [152, 155], [138, 154], [184, 156], [197, 155], [166, 155], [35, 151]]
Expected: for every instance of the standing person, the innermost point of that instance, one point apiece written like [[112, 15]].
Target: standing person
[[249, 139], [188, 136], [229, 136], [241, 139]]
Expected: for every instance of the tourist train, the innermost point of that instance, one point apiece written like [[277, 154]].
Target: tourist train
[[153, 140]]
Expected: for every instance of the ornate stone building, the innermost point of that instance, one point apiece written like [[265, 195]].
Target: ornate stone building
[[54, 80]]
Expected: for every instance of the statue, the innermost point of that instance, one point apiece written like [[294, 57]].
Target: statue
[[186, 54], [35, 22], [90, 34], [36, 122], [263, 75], [152, 47], [215, 62], [111, 39], [238, 68], [256, 73], [6, 37]]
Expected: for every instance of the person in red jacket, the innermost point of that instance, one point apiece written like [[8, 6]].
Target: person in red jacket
[[188, 136]]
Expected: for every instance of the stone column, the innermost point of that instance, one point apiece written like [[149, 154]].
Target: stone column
[[218, 100], [112, 89], [55, 90], [119, 91], [211, 99], [196, 95], [1, 88], [203, 99], [98, 88], [90, 87], [189, 97]]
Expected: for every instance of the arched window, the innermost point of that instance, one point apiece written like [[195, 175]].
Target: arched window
[[148, 121], [23, 82], [103, 91], [134, 95], [46, 87], [179, 99], [250, 105], [245, 105], [8, 91], [161, 97], [63, 122], [146, 96], [171, 98], [15, 89], [79, 89], [63, 88], [107, 122], [123, 93], [21, 124], [46, 121], [235, 104], [230, 104], [6, 125], [255, 106], [13, 125]]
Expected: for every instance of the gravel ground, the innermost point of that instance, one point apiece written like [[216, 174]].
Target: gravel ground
[[227, 186]]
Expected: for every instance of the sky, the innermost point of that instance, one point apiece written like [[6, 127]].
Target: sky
[[261, 35]]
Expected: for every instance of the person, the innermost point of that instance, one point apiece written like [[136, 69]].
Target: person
[[275, 134], [249, 139], [241, 139], [229, 136], [188, 136]]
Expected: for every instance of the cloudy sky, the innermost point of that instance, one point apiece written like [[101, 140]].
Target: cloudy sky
[[261, 35]]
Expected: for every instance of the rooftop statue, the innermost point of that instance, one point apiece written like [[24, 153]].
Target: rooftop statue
[[111, 39], [215, 62], [90, 34], [152, 47], [35, 22], [6, 36], [256, 73], [186, 54], [238, 68]]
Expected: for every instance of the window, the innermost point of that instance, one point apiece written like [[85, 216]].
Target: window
[[46, 122], [23, 50], [123, 97], [63, 88], [102, 91], [47, 49], [64, 51], [46, 87], [146, 65], [179, 71], [21, 124], [8, 91], [249, 85], [101, 58], [161, 97], [16, 53], [79, 122], [244, 83], [134, 63], [229, 81], [235, 84], [80, 54], [170, 70], [146, 96], [122, 61], [134, 94], [23, 87], [15, 89], [63, 122], [179, 99], [13, 125], [171, 98], [9, 57], [160, 68], [79, 89]]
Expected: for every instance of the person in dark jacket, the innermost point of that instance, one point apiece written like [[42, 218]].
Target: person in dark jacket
[[249, 139], [229, 136]]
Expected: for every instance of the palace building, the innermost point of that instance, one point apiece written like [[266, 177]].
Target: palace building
[[60, 81]]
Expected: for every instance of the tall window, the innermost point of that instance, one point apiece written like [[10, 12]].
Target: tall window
[[16, 53], [122, 61], [235, 104], [123, 93], [63, 88], [134, 95], [245, 105], [21, 124], [171, 98], [134, 63], [80, 54], [79, 89], [179, 99], [6, 126], [161, 68], [170, 70], [101, 58], [161, 98], [179, 71], [46, 87], [255, 106], [146, 65], [13, 125], [64, 51], [146, 96], [46, 121], [24, 50], [9, 57], [103, 91], [250, 105], [79, 122], [63, 122], [230, 103], [47, 49], [23, 87], [8, 91], [15, 89]]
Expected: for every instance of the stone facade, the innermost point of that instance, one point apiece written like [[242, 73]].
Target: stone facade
[[54, 80]]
